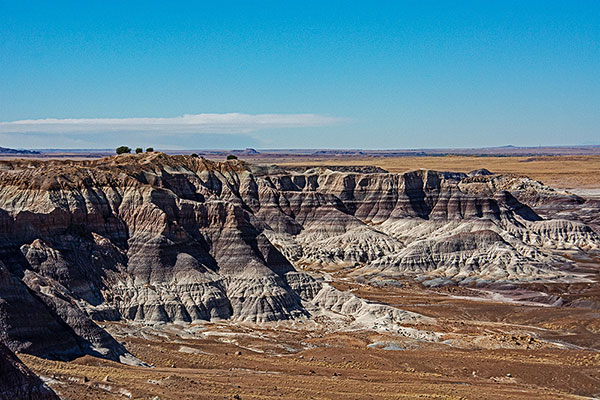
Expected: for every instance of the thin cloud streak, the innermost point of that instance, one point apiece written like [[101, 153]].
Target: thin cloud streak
[[197, 123]]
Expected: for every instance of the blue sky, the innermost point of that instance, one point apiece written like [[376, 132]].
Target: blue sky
[[281, 74]]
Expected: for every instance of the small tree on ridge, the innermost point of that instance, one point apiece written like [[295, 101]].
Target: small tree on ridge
[[123, 150]]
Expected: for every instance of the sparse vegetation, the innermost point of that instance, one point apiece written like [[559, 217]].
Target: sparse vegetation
[[231, 157], [560, 171], [194, 155], [123, 150], [139, 150], [149, 149]]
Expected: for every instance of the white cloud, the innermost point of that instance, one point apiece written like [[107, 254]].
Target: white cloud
[[198, 123]]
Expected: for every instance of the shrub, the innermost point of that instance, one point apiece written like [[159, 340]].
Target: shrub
[[149, 149], [194, 155], [139, 150], [231, 157], [123, 150]]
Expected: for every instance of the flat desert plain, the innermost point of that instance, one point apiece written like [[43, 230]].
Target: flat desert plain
[[572, 172]]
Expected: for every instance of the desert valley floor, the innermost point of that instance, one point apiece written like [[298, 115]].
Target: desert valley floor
[[466, 335], [510, 351]]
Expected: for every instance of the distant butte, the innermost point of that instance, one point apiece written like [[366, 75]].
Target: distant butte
[[4, 150]]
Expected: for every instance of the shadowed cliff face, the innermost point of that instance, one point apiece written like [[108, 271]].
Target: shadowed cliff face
[[159, 238], [18, 382]]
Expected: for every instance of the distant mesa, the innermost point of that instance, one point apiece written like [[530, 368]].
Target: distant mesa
[[338, 152], [246, 152], [4, 150]]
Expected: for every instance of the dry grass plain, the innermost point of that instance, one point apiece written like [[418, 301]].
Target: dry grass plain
[[557, 171]]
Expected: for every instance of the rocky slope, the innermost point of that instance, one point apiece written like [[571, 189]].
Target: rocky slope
[[18, 382], [158, 238]]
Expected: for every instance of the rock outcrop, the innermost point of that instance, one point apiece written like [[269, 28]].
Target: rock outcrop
[[159, 238], [18, 382]]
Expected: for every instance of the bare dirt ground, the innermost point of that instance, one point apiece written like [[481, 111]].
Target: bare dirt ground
[[322, 365], [511, 344], [490, 349]]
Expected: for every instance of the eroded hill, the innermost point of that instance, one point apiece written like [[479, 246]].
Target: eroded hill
[[160, 239]]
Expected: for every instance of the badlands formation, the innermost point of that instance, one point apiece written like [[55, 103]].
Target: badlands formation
[[92, 252]]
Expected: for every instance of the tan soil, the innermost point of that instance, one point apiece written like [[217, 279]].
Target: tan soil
[[500, 351]]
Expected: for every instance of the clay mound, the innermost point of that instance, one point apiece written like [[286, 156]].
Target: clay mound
[[362, 169], [480, 172]]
